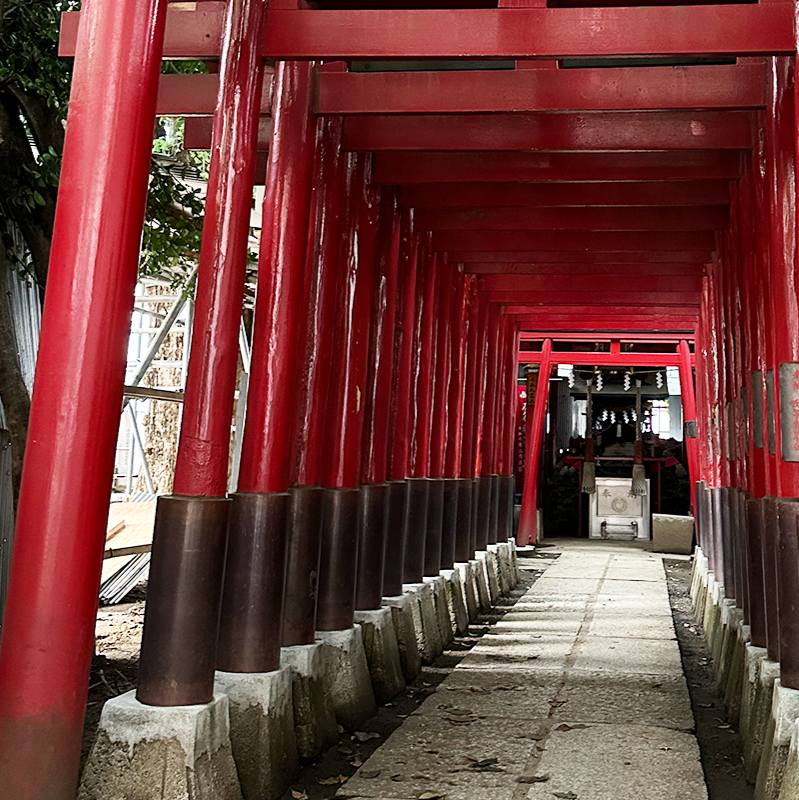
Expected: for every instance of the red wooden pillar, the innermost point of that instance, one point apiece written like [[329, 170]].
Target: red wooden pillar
[[401, 502], [422, 398], [48, 641], [343, 435], [191, 527], [689, 416], [442, 342], [508, 485], [487, 532], [482, 488], [304, 540], [457, 509], [537, 404], [377, 396], [466, 541]]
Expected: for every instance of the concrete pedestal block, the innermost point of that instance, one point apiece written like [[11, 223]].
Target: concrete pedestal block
[[705, 580], [261, 731], [443, 618], [349, 683], [712, 619], [315, 725], [672, 534], [425, 621], [726, 613], [732, 618], [466, 572], [733, 695], [698, 571], [790, 781], [753, 658], [781, 725], [491, 566], [456, 602], [504, 567], [382, 653], [759, 715], [152, 752], [514, 562], [402, 615], [480, 578]]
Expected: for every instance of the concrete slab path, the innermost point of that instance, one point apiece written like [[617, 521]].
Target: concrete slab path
[[576, 694]]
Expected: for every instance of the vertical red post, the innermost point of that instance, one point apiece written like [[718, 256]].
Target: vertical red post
[[47, 643], [528, 521], [689, 415], [487, 532], [346, 406], [191, 526]]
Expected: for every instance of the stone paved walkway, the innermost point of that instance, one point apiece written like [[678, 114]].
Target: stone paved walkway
[[576, 694]]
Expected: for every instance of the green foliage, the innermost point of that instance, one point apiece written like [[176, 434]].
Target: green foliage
[[172, 227], [29, 50], [39, 177]]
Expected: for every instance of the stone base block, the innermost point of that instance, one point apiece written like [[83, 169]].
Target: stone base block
[[733, 696], [698, 571], [382, 653], [712, 615], [514, 562], [443, 618], [726, 615], [349, 683], [314, 720], [456, 602], [759, 715], [481, 583], [425, 621], [790, 781], [465, 570], [491, 562], [402, 615], [732, 619], [262, 731], [177, 753], [753, 658], [781, 725]]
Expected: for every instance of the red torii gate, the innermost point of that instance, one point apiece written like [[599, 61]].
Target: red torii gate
[[542, 213]]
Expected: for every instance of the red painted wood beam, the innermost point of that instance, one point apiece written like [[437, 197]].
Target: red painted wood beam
[[596, 131], [578, 299], [700, 218], [573, 240], [494, 167], [641, 257], [591, 283], [648, 322], [656, 338], [531, 32], [582, 270], [508, 33], [195, 95], [197, 133], [487, 195], [714, 86], [590, 309], [605, 359]]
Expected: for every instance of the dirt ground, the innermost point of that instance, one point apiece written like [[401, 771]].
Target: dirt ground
[[719, 742]]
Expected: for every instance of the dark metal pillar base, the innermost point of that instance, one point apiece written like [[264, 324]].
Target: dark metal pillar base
[[449, 531], [483, 510], [435, 523], [743, 498], [505, 526], [394, 561], [252, 597], [463, 535], [372, 547], [729, 534], [714, 498], [415, 530], [304, 544], [757, 596], [788, 582], [473, 536], [493, 519], [770, 576], [184, 593], [340, 524]]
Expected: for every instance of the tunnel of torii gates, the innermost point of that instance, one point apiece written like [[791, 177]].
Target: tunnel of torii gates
[[414, 223]]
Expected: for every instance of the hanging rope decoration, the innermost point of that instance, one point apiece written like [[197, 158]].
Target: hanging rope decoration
[[589, 465], [639, 471]]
